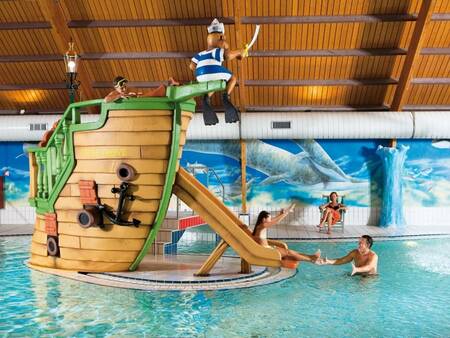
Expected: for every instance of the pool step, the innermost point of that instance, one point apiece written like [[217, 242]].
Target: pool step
[[171, 231]]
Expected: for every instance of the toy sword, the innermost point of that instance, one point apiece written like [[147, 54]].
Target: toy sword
[[249, 45]]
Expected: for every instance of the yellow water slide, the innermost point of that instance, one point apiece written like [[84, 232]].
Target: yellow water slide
[[235, 233]]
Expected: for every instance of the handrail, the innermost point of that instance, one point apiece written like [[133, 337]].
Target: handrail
[[192, 168], [55, 161], [220, 182], [75, 117]]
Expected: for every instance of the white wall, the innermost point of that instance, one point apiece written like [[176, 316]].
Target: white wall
[[17, 215]]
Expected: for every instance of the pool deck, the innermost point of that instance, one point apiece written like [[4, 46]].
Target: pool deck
[[307, 232], [176, 273]]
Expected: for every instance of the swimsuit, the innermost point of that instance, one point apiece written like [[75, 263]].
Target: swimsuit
[[209, 65]]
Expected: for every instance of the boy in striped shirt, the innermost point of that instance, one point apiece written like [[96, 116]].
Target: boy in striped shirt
[[207, 66]]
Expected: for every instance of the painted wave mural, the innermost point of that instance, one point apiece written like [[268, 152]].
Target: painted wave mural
[[14, 169], [282, 171]]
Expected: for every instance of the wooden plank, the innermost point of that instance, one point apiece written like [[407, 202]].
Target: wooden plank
[[101, 138], [39, 224], [107, 152], [117, 244], [410, 63], [76, 265], [109, 166], [70, 216], [98, 255], [74, 203], [142, 123], [109, 231], [155, 152], [39, 237], [67, 241], [38, 249], [121, 138], [112, 179], [104, 191], [33, 175], [66, 192], [137, 113]]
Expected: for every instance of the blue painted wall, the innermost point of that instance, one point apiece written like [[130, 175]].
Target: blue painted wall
[[282, 171], [14, 167]]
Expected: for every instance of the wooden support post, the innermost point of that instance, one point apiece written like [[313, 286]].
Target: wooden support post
[[244, 176], [212, 259], [404, 83], [245, 266], [414, 47], [238, 10]]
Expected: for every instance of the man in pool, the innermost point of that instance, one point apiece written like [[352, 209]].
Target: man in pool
[[364, 261]]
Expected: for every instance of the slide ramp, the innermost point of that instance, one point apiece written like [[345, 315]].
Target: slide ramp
[[224, 222]]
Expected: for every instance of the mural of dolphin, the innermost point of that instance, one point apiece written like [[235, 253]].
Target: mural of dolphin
[[309, 167], [322, 162]]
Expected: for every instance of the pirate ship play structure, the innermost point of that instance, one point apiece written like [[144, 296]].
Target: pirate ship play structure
[[101, 189]]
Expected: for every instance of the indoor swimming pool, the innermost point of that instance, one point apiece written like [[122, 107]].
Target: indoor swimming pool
[[408, 298]]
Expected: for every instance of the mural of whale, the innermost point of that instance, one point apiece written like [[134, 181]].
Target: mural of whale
[[310, 166]]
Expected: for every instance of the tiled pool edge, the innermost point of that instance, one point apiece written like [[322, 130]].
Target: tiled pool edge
[[273, 275]]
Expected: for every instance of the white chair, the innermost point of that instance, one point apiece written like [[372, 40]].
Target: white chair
[[341, 222]]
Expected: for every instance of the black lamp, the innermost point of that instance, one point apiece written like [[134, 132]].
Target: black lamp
[[71, 60]]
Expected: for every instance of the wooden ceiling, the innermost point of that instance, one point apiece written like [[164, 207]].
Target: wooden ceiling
[[310, 55]]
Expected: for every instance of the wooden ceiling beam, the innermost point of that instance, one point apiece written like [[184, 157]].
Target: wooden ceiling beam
[[327, 82], [145, 23], [30, 86], [25, 25], [410, 63], [256, 53], [261, 20], [435, 51], [254, 20], [431, 80], [338, 18], [226, 20], [250, 83], [54, 13], [329, 52]]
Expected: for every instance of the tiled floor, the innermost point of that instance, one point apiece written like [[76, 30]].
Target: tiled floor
[[304, 232], [172, 273], [310, 232]]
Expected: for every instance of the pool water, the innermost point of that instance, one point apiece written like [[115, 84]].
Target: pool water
[[409, 298]]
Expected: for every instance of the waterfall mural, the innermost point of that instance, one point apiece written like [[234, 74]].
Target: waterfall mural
[[393, 159]]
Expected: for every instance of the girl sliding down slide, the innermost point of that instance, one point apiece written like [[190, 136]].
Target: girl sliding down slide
[[265, 221]]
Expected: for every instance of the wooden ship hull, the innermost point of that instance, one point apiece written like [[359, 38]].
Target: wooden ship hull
[[80, 170]]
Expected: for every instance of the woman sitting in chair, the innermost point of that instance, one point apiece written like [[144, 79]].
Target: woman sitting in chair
[[330, 212], [265, 221]]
